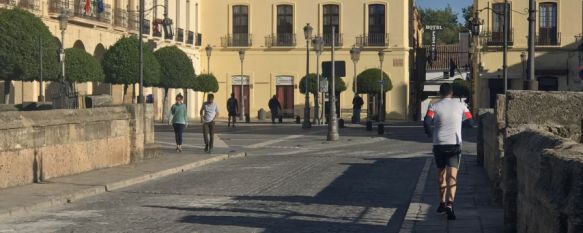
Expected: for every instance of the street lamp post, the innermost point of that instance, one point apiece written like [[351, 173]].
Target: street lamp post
[[308, 35], [531, 83], [63, 20], [505, 47], [333, 124], [209, 50], [382, 93], [355, 57], [242, 57], [523, 61], [318, 42], [41, 96]]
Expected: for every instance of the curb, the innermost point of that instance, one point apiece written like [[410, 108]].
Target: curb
[[68, 197]]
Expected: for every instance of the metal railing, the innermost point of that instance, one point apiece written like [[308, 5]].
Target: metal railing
[[93, 14], [237, 40], [190, 37], [180, 35], [373, 40], [281, 40], [327, 37], [56, 6], [548, 38], [32, 5], [120, 18], [497, 38]]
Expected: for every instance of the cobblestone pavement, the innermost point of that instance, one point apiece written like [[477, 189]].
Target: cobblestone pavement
[[291, 181]]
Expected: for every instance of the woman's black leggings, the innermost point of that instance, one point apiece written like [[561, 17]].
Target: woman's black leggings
[[178, 129]]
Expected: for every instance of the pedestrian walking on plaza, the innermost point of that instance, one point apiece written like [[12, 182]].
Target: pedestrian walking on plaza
[[357, 103], [232, 108], [179, 120], [447, 116], [208, 113], [274, 107]]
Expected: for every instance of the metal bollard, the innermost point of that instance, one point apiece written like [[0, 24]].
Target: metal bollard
[[368, 125], [381, 129], [298, 120]]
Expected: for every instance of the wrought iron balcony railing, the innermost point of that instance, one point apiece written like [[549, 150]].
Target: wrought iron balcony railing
[[373, 40], [57, 6], [497, 38], [281, 40], [327, 37], [180, 35], [32, 5], [237, 40], [120, 18], [548, 38]]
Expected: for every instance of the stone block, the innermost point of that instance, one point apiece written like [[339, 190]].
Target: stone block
[[17, 167], [94, 101]]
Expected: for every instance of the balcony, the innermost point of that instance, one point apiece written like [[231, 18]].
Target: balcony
[[94, 13], [146, 27], [281, 40], [179, 35], [198, 41], [338, 41], [32, 5], [57, 6], [497, 38], [120, 18], [237, 40], [157, 25], [373, 40], [8, 2], [133, 21], [190, 38], [548, 38]]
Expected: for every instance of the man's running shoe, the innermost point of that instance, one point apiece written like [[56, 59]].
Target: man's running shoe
[[450, 213]]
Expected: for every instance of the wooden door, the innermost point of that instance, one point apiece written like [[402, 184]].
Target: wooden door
[[237, 91], [285, 96]]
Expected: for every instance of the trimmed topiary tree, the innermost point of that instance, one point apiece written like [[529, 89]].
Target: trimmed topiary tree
[[340, 84], [206, 83], [368, 82], [175, 71], [20, 34], [460, 88], [121, 64], [82, 67]]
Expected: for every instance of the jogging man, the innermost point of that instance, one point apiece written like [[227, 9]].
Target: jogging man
[[208, 113], [447, 116]]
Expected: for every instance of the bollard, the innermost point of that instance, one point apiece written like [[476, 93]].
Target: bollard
[[247, 118], [280, 119], [368, 125], [381, 129], [341, 123], [298, 120], [261, 114]]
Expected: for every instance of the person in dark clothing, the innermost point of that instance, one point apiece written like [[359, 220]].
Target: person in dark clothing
[[232, 108], [357, 103], [274, 106]]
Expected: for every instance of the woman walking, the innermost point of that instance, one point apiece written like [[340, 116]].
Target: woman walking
[[178, 120]]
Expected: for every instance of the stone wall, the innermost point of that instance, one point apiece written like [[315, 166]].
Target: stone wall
[[543, 183], [40, 145], [491, 144]]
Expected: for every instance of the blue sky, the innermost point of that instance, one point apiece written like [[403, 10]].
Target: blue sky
[[457, 5]]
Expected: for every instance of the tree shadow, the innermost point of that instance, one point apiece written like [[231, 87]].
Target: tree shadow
[[372, 195]]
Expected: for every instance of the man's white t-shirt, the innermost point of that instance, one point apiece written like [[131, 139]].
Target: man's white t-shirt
[[210, 111], [448, 115]]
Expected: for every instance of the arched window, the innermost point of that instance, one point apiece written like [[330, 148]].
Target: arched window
[[240, 25], [548, 33], [376, 25], [285, 25], [331, 19]]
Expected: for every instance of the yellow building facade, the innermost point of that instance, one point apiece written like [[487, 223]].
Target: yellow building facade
[[271, 33], [559, 27]]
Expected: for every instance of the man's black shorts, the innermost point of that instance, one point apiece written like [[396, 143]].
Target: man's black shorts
[[447, 156], [232, 113]]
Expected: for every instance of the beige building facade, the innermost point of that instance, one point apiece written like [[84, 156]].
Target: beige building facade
[[559, 28], [270, 31]]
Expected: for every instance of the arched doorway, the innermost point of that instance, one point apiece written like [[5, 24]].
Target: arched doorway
[[79, 45]]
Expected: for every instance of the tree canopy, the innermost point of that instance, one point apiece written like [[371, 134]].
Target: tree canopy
[[175, 66], [369, 81], [20, 33], [82, 67], [339, 83], [121, 64], [206, 83], [446, 18], [460, 88]]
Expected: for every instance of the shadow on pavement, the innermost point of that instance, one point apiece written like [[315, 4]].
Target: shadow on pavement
[[372, 196]]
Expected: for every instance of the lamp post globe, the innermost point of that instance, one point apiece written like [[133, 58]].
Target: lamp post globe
[[382, 91], [355, 57]]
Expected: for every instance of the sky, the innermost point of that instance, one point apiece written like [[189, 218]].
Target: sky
[[457, 5]]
